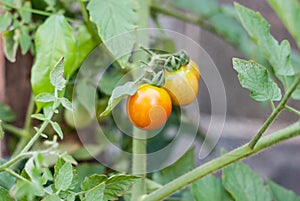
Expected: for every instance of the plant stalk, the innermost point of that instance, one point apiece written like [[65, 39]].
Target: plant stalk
[[36, 136], [222, 161], [139, 163], [27, 126], [199, 21], [13, 129], [14, 160], [139, 141], [28, 119], [275, 113]]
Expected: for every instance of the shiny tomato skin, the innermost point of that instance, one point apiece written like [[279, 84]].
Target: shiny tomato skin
[[182, 86], [193, 67], [149, 108]]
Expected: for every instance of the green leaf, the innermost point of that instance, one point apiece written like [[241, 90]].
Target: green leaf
[[32, 171], [66, 103], [45, 98], [87, 169], [128, 89], [95, 193], [210, 188], [85, 44], [201, 7], [25, 12], [288, 11], [176, 169], [10, 44], [114, 17], [26, 190], [57, 75], [243, 184], [6, 180], [94, 187], [224, 21], [92, 181], [6, 114], [5, 21], [229, 28], [54, 39], [255, 77], [117, 185], [64, 177], [69, 159], [4, 194], [57, 129], [71, 197], [259, 30], [46, 176], [52, 197], [281, 194], [59, 163], [51, 5], [72, 182], [110, 79], [24, 39], [38, 116]]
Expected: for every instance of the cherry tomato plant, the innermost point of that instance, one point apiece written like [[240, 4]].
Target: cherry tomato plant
[[47, 161]]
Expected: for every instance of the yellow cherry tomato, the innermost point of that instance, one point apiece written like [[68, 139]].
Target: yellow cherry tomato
[[182, 86], [192, 66]]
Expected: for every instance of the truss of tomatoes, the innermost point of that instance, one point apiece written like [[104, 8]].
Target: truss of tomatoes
[[150, 107], [167, 79]]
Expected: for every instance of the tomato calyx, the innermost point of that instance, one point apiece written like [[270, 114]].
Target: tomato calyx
[[176, 61], [159, 63]]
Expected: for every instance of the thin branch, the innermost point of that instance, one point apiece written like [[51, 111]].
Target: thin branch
[[272, 105], [13, 129], [274, 113], [223, 161], [182, 16], [291, 109], [35, 11]]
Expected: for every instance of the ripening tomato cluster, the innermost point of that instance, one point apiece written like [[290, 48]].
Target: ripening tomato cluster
[[150, 107]]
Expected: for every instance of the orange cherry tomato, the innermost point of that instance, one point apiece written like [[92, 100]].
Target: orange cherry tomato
[[182, 86], [149, 108]]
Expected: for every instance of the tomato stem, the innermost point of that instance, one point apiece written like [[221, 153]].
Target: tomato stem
[[223, 161], [27, 126], [139, 162], [293, 110], [147, 51], [139, 165], [275, 113], [13, 129]]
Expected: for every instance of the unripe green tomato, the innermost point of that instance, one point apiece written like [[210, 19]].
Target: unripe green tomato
[[78, 118]]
